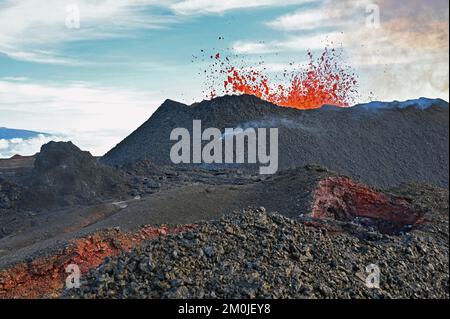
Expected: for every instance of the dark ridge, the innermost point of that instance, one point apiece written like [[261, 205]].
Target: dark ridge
[[381, 144], [63, 175]]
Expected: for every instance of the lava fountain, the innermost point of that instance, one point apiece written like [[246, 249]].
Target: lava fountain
[[322, 81]]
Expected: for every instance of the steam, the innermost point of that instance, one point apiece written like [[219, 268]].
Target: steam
[[272, 122]]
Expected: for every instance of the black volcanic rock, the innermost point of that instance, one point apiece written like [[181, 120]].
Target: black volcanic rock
[[254, 254], [381, 144], [9, 194], [64, 175]]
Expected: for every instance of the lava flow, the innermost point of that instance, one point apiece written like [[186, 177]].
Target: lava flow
[[323, 81]]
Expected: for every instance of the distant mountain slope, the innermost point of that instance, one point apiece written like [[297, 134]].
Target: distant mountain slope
[[21, 142], [7, 133], [379, 143]]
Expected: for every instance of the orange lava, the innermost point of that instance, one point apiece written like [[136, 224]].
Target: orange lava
[[44, 277], [325, 81], [341, 198]]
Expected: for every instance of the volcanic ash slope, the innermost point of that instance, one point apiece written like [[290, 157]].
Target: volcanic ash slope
[[381, 144]]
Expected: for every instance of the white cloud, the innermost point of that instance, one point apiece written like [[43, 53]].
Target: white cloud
[[243, 47], [32, 29], [290, 44], [313, 42], [303, 20], [25, 147], [330, 14], [15, 78], [4, 144], [278, 67], [196, 7], [93, 117]]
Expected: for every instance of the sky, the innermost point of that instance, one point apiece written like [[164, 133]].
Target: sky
[[92, 71]]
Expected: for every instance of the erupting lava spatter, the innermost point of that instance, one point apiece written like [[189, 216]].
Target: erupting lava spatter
[[323, 81]]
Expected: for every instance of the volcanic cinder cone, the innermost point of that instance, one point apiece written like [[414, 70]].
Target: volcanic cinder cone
[[382, 144], [64, 175]]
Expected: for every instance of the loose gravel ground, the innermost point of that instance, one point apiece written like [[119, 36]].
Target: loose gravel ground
[[256, 254]]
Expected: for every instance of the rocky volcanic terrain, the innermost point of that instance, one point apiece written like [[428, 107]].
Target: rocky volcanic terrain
[[140, 229], [255, 254], [62, 175]]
